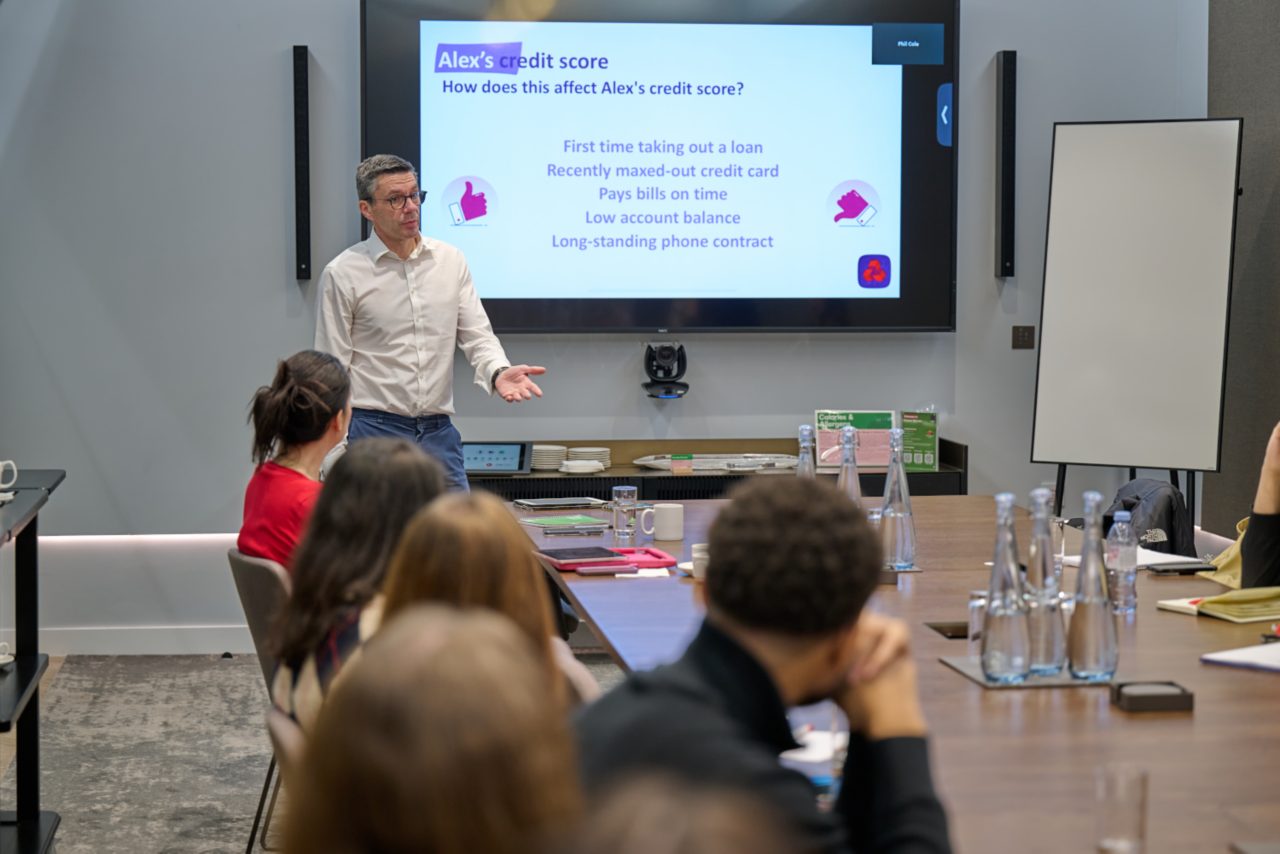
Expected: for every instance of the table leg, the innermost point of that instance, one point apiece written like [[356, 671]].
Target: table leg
[[27, 630]]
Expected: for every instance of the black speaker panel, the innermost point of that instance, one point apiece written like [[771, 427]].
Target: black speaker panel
[[1006, 149], [301, 162]]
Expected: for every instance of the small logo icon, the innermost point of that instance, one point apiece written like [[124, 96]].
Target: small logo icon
[[854, 204], [874, 271], [469, 200]]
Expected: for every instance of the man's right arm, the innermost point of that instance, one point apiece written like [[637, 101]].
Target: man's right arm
[[334, 318]]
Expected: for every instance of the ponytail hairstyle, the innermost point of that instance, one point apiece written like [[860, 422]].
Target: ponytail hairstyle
[[309, 389]]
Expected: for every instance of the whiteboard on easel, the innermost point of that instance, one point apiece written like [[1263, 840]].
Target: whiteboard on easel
[[1137, 292]]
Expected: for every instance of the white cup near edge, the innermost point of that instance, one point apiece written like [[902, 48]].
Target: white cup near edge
[[668, 521], [8, 465], [5, 656], [700, 553]]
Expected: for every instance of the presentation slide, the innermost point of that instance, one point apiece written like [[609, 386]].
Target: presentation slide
[[589, 160]]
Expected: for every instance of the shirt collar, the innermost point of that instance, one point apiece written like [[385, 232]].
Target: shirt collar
[[749, 692], [376, 248]]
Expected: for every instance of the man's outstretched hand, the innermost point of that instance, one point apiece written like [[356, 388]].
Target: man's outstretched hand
[[514, 384]]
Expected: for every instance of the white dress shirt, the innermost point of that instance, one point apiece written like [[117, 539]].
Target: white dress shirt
[[394, 324]]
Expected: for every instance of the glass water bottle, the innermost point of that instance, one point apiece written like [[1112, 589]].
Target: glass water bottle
[[1044, 605], [897, 530], [1006, 646], [848, 480], [1091, 641], [806, 467]]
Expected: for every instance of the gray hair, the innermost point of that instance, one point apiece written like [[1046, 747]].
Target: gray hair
[[372, 168]]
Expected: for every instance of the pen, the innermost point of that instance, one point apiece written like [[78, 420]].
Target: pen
[[573, 532]]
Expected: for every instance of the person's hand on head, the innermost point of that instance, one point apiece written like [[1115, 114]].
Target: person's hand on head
[[514, 384], [880, 697]]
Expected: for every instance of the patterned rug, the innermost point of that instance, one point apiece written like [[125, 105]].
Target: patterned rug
[[152, 753], [160, 754]]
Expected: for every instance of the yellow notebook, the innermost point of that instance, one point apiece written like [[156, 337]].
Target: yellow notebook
[[1255, 605]]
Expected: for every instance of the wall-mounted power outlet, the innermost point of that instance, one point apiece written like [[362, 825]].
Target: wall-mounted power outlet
[[1024, 337]]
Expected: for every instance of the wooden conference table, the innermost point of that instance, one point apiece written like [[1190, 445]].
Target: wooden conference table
[[1015, 767]]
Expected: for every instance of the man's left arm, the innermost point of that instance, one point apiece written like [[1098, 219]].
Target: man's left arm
[[887, 799], [494, 371], [475, 333]]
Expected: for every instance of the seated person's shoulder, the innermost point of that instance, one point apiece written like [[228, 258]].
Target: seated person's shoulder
[[660, 721]]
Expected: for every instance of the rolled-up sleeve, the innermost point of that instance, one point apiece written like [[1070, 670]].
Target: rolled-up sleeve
[[334, 317]]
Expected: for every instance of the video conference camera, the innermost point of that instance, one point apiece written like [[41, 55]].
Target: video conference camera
[[664, 364]]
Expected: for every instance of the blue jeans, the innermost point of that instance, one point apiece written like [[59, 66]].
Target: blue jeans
[[434, 434]]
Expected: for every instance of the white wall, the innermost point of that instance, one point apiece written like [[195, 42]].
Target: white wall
[[146, 269]]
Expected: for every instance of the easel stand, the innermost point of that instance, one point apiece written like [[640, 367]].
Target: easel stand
[[1189, 493]]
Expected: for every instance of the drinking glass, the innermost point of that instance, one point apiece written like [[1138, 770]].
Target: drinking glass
[[625, 499], [1122, 809], [977, 616]]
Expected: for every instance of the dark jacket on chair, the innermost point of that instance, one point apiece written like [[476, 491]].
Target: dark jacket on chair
[[1157, 504]]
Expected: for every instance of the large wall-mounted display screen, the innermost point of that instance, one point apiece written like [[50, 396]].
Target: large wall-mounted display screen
[[732, 166]]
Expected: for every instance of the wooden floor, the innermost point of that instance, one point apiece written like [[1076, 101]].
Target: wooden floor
[[8, 740]]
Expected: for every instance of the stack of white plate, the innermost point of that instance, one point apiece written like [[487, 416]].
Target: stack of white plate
[[596, 455], [581, 467], [547, 457]]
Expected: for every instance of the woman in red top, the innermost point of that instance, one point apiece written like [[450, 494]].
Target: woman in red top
[[296, 421]]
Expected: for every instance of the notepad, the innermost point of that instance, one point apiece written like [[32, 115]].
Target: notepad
[[1255, 605], [571, 521], [1264, 656]]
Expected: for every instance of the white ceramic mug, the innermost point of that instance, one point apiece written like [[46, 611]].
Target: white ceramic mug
[[668, 521], [8, 465], [5, 657], [646, 515]]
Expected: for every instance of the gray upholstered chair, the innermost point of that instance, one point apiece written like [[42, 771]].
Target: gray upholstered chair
[[263, 586]]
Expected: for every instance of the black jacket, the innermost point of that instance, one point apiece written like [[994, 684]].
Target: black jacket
[[1260, 551], [715, 717]]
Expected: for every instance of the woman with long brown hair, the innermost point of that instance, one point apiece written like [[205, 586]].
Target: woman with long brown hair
[[438, 739], [467, 550], [369, 496]]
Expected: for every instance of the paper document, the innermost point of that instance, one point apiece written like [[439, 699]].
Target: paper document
[[817, 745], [1264, 656], [1146, 557]]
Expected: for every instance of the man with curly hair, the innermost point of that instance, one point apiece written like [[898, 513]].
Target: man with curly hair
[[793, 562]]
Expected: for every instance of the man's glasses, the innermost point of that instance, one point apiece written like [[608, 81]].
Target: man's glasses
[[397, 202]]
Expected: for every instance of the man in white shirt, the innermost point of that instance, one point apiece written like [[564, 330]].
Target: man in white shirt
[[393, 307]]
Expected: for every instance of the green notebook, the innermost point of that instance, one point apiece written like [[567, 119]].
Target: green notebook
[[572, 521]]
